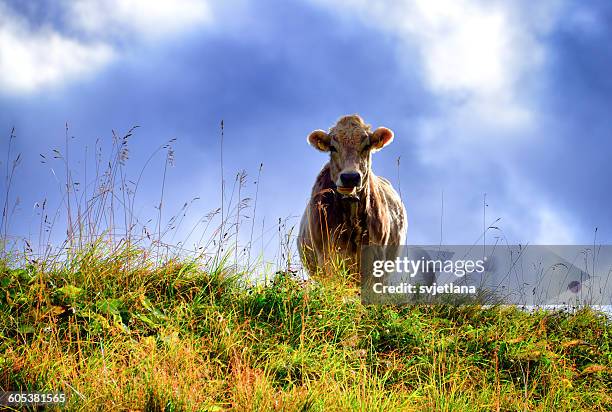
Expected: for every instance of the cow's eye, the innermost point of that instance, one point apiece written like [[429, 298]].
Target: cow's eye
[[332, 149]]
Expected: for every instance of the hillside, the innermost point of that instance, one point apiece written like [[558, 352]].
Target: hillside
[[114, 330]]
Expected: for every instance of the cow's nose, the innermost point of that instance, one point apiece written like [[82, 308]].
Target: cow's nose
[[352, 179]]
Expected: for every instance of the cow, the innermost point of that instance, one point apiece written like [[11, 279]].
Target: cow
[[349, 206]]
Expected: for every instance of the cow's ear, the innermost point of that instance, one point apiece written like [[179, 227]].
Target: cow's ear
[[380, 138], [319, 140]]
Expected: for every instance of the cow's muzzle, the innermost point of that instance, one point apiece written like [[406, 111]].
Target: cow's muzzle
[[349, 182]]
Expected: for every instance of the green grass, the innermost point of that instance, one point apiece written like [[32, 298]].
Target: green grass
[[114, 330]]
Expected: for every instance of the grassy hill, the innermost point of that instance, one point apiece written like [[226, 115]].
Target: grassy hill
[[113, 330]]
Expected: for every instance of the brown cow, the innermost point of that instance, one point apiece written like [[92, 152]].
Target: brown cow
[[349, 206]]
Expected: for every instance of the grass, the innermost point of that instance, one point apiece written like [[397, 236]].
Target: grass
[[193, 335], [118, 323]]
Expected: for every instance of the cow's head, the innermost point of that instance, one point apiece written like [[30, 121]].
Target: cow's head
[[350, 144]]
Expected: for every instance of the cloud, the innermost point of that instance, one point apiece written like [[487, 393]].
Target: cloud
[[141, 17], [473, 53], [93, 34], [553, 228], [465, 47], [532, 213], [33, 58]]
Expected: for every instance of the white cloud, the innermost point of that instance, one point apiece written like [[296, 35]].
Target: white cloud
[[552, 228], [465, 47], [30, 59], [472, 51], [149, 18], [530, 216], [95, 34]]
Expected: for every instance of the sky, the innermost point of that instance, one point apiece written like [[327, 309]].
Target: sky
[[501, 110]]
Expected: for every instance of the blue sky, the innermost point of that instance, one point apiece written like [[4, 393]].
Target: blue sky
[[511, 99]]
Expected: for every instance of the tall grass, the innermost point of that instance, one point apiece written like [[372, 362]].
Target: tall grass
[[118, 318]]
